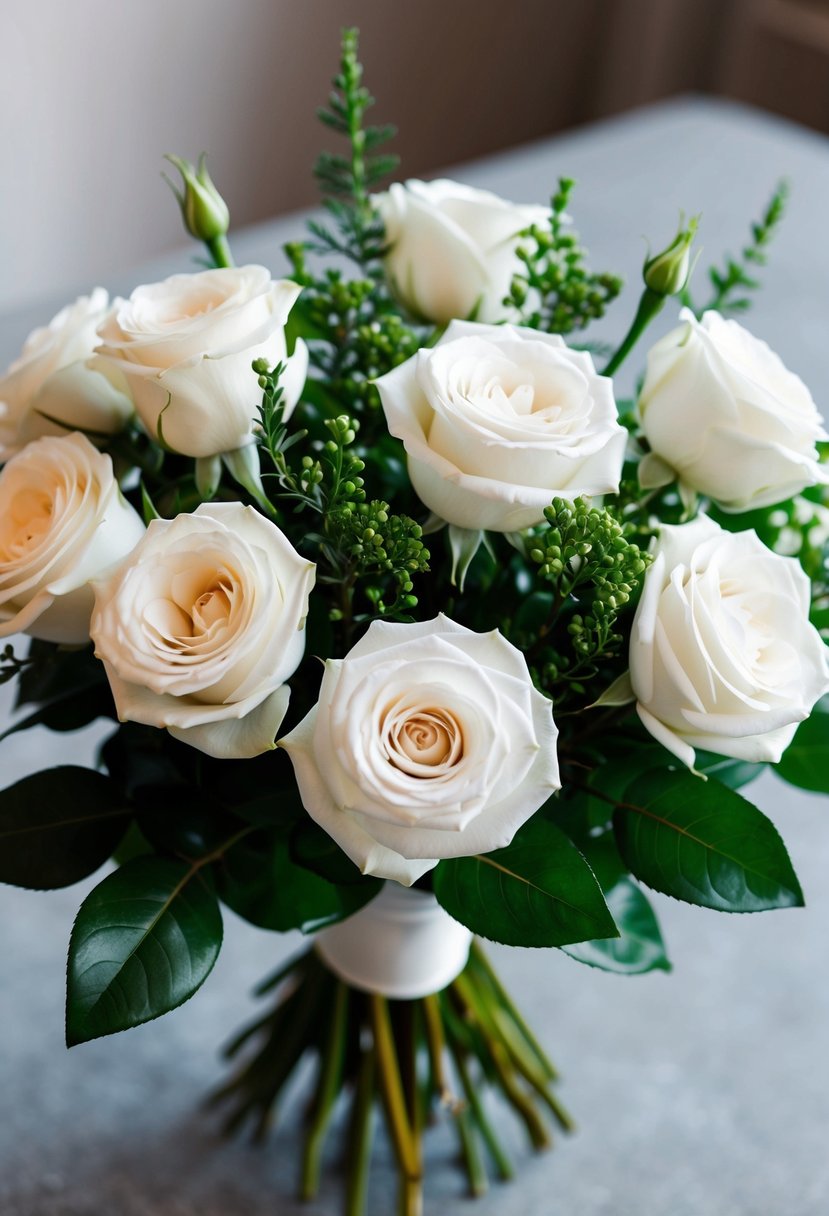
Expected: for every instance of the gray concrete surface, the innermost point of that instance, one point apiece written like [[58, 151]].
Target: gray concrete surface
[[702, 1093]]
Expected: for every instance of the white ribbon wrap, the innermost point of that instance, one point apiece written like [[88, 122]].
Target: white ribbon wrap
[[401, 945]]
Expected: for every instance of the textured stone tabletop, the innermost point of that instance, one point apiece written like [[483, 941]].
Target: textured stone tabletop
[[702, 1092]]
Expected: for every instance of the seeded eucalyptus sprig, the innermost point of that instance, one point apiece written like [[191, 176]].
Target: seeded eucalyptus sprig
[[556, 292], [593, 569], [737, 277], [356, 542], [370, 543]]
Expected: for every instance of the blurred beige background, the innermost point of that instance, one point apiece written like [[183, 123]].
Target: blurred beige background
[[94, 91]]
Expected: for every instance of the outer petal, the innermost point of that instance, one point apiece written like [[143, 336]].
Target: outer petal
[[239, 738]]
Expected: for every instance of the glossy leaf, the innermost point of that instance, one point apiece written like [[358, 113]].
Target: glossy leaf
[[314, 849], [539, 891], [58, 826], [143, 942], [261, 882], [805, 761], [639, 948], [703, 843], [733, 773]]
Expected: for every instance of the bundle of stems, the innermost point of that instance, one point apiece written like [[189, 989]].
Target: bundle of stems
[[410, 1060]]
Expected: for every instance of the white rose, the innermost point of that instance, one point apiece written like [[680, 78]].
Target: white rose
[[185, 347], [722, 654], [720, 409], [53, 378], [63, 522], [496, 421], [428, 741], [202, 625], [452, 248]]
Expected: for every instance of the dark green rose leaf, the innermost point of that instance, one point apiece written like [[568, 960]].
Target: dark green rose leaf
[[703, 843], [58, 826], [539, 891], [259, 879], [314, 849], [639, 948], [733, 773], [144, 941], [805, 762]]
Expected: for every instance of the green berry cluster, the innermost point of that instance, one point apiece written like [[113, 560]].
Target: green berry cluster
[[555, 291], [587, 545], [593, 569], [357, 333], [373, 542]]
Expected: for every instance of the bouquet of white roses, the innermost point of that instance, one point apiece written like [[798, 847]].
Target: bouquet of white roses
[[409, 630]]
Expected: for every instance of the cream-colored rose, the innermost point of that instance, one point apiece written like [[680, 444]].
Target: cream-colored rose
[[722, 654], [202, 625], [185, 347], [53, 379], [428, 741], [719, 409], [63, 522], [452, 248], [496, 421]]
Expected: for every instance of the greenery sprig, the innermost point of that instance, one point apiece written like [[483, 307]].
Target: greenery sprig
[[357, 541], [737, 276], [593, 569], [358, 232], [555, 291]]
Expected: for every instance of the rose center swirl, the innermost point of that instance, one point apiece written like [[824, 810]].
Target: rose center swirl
[[187, 631], [424, 743], [28, 520]]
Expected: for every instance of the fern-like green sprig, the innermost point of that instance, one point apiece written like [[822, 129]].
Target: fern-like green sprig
[[733, 281]]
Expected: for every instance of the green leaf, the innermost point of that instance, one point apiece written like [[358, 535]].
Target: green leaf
[[805, 762], [144, 941], [261, 882], [639, 948], [56, 672], [58, 826], [312, 848], [733, 773], [539, 891], [703, 843]]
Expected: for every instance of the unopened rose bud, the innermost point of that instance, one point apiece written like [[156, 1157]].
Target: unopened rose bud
[[667, 273], [203, 209]]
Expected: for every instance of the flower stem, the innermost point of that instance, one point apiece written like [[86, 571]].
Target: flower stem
[[496, 1149], [331, 1066], [650, 303], [391, 1088], [219, 249], [360, 1138], [481, 961], [478, 1182], [435, 1042]]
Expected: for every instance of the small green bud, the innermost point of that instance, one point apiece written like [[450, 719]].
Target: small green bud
[[203, 209], [667, 273]]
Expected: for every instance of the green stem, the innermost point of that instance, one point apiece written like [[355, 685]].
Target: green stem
[[331, 1066], [502, 1063], [478, 1182], [650, 304], [360, 1139], [391, 1088], [482, 962], [435, 1042], [219, 250], [496, 1149]]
